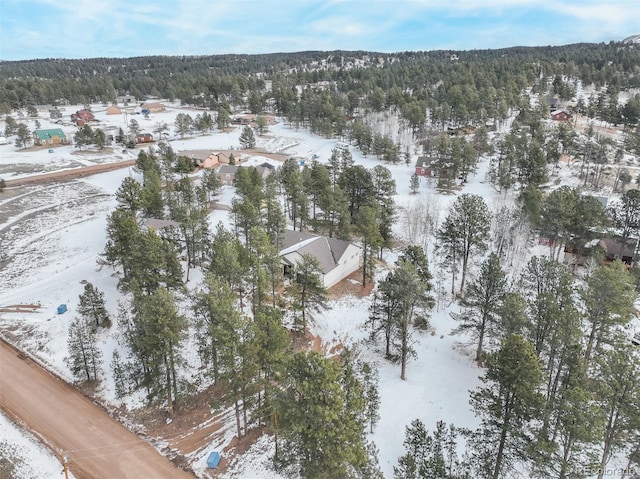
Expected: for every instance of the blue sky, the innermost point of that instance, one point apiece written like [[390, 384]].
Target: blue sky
[[123, 28]]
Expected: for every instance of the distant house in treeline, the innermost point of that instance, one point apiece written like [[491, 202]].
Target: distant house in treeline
[[126, 99], [560, 115], [154, 107], [606, 249], [424, 166], [206, 158], [144, 138], [619, 248], [227, 174], [81, 117], [54, 136]]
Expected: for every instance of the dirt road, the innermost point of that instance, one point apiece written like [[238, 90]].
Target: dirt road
[[69, 174], [97, 445]]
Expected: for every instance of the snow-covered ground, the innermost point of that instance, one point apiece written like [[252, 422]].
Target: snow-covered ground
[[29, 459], [46, 260]]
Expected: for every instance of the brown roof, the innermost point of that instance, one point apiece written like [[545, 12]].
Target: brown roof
[[618, 247]]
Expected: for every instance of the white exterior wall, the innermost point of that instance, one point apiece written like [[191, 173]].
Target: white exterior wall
[[349, 262]]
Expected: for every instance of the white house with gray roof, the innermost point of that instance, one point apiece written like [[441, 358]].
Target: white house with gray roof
[[337, 258]]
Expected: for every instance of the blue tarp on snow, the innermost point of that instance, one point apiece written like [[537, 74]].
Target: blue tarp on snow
[[213, 460], [62, 308]]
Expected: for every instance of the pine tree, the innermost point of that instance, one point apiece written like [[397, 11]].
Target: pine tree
[[151, 195], [23, 135], [317, 184], [134, 127], [296, 201], [370, 383], [217, 321], [84, 353], [465, 230], [242, 374], [211, 183], [129, 195], [246, 216], [414, 183], [264, 269], [319, 426], [160, 129], [119, 375], [308, 291], [247, 138], [226, 260], [505, 404], [608, 302], [384, 187], [223, 119], [549, 288], [91, 306], [183, 124], [273, 219], [369, 232], [191, 212], [577, 426], [618, 395], [428, 456], [261, 124], [156, 341], [482, 300], [153, 262], [413, 301], [273, 347], [357, 184], [122, 234]]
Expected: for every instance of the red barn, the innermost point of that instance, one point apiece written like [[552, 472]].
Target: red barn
[[424, 166], [144, 138], [560, 115]]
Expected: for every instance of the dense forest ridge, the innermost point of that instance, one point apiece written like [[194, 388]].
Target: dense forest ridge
[[49, 81]]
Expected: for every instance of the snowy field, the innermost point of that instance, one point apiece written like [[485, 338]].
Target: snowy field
[[51, 236]]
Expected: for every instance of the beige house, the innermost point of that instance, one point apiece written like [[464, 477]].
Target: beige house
[[337, 258], [227, 174], [114, 110], [206, 158], [154, 107]]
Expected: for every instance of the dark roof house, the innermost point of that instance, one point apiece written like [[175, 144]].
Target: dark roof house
[[337, 258], [619, 248]]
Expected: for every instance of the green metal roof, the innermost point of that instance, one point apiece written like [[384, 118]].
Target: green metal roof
[[48, 134]]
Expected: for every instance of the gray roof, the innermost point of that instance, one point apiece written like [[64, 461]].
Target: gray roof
[[228, 169], [327, 251], [424, 161]]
